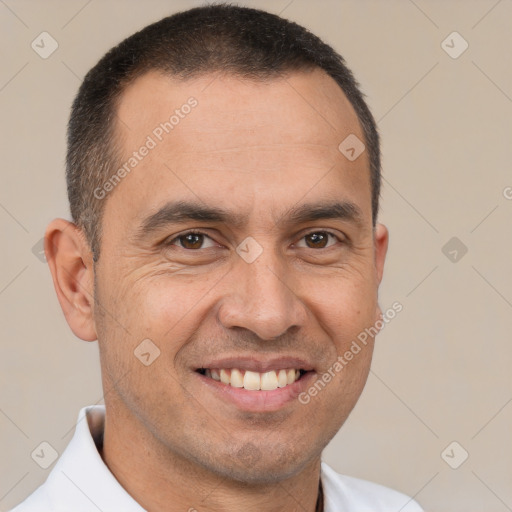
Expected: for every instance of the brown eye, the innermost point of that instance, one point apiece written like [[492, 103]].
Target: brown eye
[[193, 241], [319, 240]]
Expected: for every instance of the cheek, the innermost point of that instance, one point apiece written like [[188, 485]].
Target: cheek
[[343, 307], [134, 312], [166, 309]]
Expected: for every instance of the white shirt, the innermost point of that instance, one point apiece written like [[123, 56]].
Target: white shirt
[[81, 482]]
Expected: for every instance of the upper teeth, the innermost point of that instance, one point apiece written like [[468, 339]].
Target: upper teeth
[[254, 380]]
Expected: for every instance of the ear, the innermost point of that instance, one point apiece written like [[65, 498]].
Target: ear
[[381, 239], [71, 264]]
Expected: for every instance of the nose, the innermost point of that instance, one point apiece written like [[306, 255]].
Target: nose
[[260, 297]]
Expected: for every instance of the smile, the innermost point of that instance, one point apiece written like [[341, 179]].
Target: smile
[[254, 381]]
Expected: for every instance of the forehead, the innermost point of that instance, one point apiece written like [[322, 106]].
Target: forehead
[[259, 145]]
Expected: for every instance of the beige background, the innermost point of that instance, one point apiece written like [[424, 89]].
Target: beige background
[[442, 368]]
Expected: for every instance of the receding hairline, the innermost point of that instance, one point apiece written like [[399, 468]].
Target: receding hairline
[[116, 141], [252, 44]]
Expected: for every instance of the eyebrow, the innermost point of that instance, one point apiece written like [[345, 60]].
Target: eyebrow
[[177, 212], [342, 210], [183, 211]]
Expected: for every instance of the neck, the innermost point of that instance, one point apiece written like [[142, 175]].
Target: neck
[[156, 478]]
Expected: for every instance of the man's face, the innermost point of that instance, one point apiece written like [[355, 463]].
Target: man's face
[[256, 160]]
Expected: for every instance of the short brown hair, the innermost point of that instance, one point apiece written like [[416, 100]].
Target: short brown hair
[[245, 42]]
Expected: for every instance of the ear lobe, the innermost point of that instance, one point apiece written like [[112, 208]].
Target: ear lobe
[[70, 260], [381, 240]]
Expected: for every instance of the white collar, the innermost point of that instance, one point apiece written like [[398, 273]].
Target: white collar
[[80, 481], [81, 478]]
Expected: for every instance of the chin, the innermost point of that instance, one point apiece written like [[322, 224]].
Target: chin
[[262, 474], [253, 466]]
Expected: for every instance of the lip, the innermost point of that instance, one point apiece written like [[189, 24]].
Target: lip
[[257, 401], [254, 364]]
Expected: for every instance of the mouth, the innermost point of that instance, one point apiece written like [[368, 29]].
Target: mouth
[[255, 384], [253, 380]]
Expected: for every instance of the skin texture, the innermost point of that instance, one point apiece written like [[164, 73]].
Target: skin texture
[[257, 149]]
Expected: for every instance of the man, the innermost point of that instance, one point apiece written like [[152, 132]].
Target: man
[[223, 175]]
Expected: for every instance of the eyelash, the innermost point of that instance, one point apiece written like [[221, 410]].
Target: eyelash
[[196, 232]]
